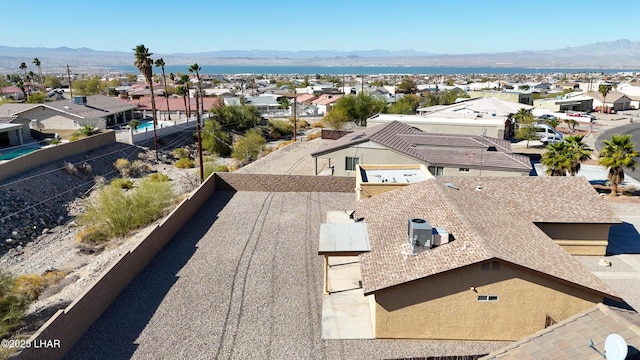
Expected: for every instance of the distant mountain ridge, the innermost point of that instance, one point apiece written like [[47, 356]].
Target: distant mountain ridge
[[619, 54]]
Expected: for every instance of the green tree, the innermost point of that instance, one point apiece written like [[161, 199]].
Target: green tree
[[90, 86], [52, 82], [556, 159], [241, 117], [336, 119], [577, 151], [406, 86], [184, 80], [38, 65], [214, 139], [160, 63], [144, 63], [618, 155], [360, 107], [405, 105], [249, 146], [23, 66], [524, 126], [604, 89], [195, 68], [35, 98], [553, 122]]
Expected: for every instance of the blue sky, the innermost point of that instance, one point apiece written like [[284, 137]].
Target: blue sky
[[443, 27]]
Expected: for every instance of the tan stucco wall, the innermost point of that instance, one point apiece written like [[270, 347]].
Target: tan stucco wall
[[579, 239], [496, 131], [368, 154], [443, 306], [50, 119]]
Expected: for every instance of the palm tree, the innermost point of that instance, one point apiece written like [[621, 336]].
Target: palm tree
[[578, 152], [604, 90], [618, 154], [524, 125], [144, 63], [195, 69], [184, 79], [23, 66], [38, 64], [556, 159], [160, 63]]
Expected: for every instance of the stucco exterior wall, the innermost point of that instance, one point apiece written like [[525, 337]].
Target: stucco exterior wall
[[446, 307], [50, 119], [495, 131], [579, 239]]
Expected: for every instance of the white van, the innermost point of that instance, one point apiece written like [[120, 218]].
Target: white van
[[544, 131]]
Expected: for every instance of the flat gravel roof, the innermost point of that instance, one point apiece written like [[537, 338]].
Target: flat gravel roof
[[242, 280]]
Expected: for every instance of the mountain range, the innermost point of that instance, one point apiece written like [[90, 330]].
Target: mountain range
[[619, 54]]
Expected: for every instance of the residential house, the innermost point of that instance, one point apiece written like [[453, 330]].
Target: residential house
[[565, 103], [491, 274], [479, 107], [444, 154], [96, 110], [451, 123], [582, 336], [12, 92], [518, 97], [13, 131], [325, 102], [615, 100]]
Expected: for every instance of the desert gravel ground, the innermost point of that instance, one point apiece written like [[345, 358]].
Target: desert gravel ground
[[245, 284]]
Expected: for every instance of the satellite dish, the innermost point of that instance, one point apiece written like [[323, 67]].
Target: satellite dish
[[615, 347]]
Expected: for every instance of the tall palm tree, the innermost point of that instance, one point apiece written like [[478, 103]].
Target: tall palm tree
[[578, 152], [38, 65], [144, 63], [160, 63], [618, 154], [556, 159], [23, 66], [196, 69], [603, 89], [184, 79]]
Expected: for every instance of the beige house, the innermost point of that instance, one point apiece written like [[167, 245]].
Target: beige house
[[511, 96], [97, 110], [443, 154], [497, 276]]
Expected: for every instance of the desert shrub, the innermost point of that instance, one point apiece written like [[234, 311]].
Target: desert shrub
[[159, 177], [86, 130], [209, 168], [317, 124], [70, 168], [180, 153], [85, 168], [185, 163], [116, 212], [139, 168], [29, 285], [12, 305], [93, 235], [55, 141], [249, 146], [280, 128], [314, 135], [122, 165], [302, 125], [121, 183], [74, 138]]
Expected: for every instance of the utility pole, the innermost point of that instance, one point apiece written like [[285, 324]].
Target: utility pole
[[295, 120], [199, 127], [69, 78]]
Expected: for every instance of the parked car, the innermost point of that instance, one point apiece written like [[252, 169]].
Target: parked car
[[547, 117], [551, 139], [581, 115]]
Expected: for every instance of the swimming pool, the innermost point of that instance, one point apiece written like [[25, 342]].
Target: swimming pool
[[14, 153], [148, 125]]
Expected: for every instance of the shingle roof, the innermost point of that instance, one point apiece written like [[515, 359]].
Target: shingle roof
[[494, 222], [436, 149], [569, 339]]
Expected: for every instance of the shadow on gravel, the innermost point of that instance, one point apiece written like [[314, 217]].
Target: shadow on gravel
[[623, 239], [114, 334]]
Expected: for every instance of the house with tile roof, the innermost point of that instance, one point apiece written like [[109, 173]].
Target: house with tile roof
[[325, 102], [572, 338], [499, 275], [615, 100], [444, 154], [97, 110]]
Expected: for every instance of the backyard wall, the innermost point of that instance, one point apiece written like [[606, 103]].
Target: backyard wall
[[70, 324], [44, 156], [138, 136]]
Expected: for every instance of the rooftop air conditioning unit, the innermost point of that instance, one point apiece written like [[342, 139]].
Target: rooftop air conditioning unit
[[440, 236], [419, 231]]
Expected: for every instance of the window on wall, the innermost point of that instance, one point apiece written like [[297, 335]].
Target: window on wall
[[487, 298], [436, 170], [351, 162], [463, 169]]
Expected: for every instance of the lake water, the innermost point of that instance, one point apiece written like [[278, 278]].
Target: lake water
[[367, 70]]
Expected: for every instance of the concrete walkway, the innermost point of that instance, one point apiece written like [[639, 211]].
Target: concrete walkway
[[346, 312]]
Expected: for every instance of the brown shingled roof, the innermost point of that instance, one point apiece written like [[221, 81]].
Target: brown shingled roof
[[496, 222], [569, 339], [436, 149]]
